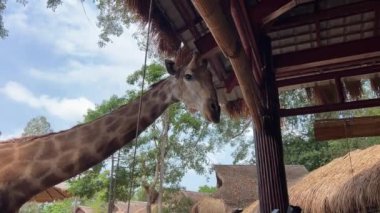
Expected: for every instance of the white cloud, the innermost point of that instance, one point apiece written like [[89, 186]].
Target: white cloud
[[64, 108], [72, 34]]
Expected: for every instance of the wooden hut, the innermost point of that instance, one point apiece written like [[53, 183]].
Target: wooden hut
[[237, 186], [259, 48]]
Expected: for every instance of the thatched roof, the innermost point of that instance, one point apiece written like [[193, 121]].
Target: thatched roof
[[135, 206], [193, 196], [84, 209], [163, 34], [237, 184], [338, 187], [57, 192], [211, 205]]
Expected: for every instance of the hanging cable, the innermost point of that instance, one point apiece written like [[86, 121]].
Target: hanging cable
[[140, 104], [348, 146]]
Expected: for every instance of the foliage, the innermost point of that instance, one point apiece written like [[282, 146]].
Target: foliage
[[111, 20], [88, 184], [3, 31], [31, 207], [104, 108], [65, 206], [300, 146], [307, 152], [96, 202], [207, 189], [37, 126]]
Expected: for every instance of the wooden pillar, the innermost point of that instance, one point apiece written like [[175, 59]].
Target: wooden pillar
[[269, 151]]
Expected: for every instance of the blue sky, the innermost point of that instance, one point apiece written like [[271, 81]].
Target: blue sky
[[51, 65]]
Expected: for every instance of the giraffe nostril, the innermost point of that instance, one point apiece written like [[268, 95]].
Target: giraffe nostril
[[215, 107]]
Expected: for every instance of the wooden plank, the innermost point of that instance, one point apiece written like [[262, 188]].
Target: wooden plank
[[330, 129], [330, 74], [326, 55], [332, 13], [330, 107]]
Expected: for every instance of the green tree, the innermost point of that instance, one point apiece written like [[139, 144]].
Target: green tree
[[37, 126], [207, 189], [64, 206], [300, 146]]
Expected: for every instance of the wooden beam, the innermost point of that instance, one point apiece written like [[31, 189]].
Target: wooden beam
[[267, 9], [205, 44], [330, 107], [331, 129], [283, 9], [326, 75], [247, 37], [272, 187], [336, 12], [186, 16], [327, 55]]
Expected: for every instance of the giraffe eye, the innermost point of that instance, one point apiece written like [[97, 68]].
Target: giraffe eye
[[188, 77]]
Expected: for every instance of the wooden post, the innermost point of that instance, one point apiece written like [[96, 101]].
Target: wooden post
[[269, 151]]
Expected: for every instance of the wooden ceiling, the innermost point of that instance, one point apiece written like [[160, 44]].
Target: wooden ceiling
[[312, 41]]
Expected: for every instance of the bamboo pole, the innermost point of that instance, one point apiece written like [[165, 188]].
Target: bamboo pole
[[227, 39]]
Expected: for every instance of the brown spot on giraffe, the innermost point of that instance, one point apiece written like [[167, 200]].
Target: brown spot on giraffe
[[48, 151], [114, 126]]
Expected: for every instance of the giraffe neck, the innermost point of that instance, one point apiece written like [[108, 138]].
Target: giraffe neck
[[33, 165]]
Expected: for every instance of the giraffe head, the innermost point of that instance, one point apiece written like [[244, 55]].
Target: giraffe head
[[195, 87]]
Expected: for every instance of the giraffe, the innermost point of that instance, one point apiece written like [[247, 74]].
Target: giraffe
[[33, 164]]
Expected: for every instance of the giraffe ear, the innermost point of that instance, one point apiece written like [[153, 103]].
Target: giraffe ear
[[170, 67]]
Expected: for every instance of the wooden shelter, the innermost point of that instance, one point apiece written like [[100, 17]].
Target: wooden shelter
[[258, 48], [347, 184], [237, 185]]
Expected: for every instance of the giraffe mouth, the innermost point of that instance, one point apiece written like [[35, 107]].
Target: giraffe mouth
[[214, 112]]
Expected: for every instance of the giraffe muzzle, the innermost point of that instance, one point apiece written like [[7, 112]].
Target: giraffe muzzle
[[214, 110]]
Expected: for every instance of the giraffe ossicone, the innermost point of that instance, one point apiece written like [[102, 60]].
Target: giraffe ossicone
[[33, 164]]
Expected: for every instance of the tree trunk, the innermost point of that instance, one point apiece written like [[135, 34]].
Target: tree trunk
[[110, 190], [163, 146]]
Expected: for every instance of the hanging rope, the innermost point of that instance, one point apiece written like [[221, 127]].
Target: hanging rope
[[348, 144], [140, 104]]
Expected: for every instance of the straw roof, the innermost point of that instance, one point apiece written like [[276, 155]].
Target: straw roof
[[164, 36], [193, 196], [253, 208], [336, 187], [237, 184], [57, 192], [135, 206], [211, 205]]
